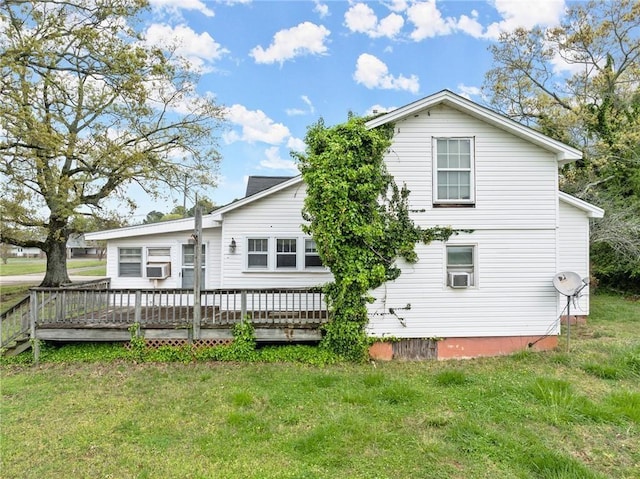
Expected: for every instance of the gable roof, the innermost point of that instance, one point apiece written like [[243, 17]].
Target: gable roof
[[591, 210], [211, 220], [256, 184], [565, 153]]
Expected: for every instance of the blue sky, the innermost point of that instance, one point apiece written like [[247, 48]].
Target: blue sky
[[278, 66]]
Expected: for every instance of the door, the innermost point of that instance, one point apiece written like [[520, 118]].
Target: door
[[188, 260]]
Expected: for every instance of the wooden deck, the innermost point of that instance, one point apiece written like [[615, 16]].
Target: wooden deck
[[95, 312]]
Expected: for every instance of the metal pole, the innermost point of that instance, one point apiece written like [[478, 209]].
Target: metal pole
[[197, 270], [568, 321]]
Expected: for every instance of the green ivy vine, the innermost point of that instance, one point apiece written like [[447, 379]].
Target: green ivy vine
[[359, 219]]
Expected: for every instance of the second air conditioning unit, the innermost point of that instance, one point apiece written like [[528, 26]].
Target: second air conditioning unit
[[158, 270]]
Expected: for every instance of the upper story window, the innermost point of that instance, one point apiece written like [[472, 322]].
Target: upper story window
[[257, 253], [453, 177], [130, 262]]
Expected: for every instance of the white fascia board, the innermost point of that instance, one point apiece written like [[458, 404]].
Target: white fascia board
[[565, 153], [185, 224], [591, 210]]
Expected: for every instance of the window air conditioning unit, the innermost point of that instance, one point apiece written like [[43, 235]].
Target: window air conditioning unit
[[459, 280], [158, 270]]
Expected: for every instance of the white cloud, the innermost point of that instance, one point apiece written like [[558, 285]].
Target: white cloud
[[397, 5], [296, 144], [470, 25], [321, 9], [176, 5], [256, 126], [428, 21], [468, 91], [516, 13], [199, 49], [304, 39], [373, 73], [274, 162], [361, 18], [302, 111]]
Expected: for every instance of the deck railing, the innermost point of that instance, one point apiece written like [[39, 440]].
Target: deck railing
[[15, 322], [161, 308]]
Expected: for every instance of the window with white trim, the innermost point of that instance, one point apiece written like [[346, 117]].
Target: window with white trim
[[461, 266], [257, 253], [155, 251], [130, 262], [286, 256], [311, 256], [453, 177], [282, 253]]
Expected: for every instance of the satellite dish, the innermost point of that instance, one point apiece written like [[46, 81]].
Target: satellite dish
[[568, 283]]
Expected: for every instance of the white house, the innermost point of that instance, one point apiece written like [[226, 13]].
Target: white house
[[482, 293]]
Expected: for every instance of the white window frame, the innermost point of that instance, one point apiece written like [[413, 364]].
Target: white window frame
[[471, 170], [471, 269], [121, 249], [272, 255], [161, 252], [286, 243], [250, 252], [310, 254]]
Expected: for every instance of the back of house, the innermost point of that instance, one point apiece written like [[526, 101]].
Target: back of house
[[484, 292]]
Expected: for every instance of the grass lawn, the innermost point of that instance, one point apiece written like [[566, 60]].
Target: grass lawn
[[532, 415], [37, 265]]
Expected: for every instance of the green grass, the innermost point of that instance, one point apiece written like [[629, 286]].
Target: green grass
[[17, 266], [532, 415]]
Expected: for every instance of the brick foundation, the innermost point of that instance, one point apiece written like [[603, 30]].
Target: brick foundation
[[381, 351], [464, 348], [460, 348]]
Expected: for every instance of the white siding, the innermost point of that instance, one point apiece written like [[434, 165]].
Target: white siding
[[278, 215], [515, 180], [513, 295], [210, 237], [573, 246], [514, 222]]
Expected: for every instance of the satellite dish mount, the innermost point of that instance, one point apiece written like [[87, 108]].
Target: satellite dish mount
[[569, 284]]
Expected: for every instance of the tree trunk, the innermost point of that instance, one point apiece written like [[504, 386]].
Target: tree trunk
[[56, 249]]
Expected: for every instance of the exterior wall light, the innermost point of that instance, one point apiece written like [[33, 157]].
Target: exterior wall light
[[232, 246]]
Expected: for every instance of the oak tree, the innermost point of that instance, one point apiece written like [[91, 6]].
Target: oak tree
[[88, 109], [580, 83]]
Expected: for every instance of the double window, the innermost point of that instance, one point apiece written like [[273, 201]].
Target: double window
[[130, 260], [461, 266], [453, 177], [282, 254]]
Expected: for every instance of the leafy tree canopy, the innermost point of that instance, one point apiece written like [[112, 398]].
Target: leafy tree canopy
[[580, 83], [359, 219], [88, 109]]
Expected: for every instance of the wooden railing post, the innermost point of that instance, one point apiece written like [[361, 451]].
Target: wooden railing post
[[243, 305], [33, 317], [138, 311]]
